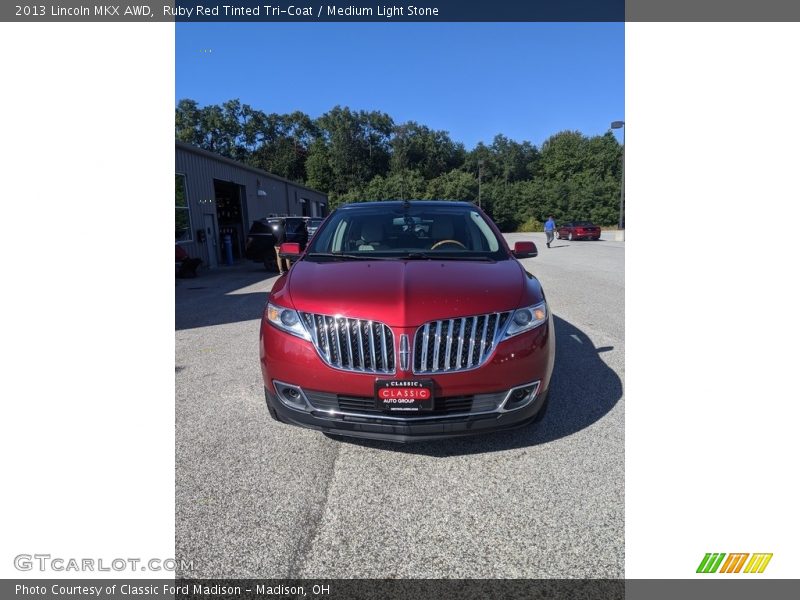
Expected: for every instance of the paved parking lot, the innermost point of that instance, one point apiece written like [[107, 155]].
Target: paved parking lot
[[257, 498]]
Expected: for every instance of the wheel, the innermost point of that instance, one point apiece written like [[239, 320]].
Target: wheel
[[570, 236]]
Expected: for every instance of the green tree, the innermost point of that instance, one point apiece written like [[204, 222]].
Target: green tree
[[363, 155], [357, 146], [455, 185], [188, 127], [420, 148]]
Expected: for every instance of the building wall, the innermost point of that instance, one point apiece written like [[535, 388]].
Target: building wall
[[201, 168]]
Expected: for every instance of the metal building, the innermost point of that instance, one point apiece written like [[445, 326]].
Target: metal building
[[216, 196]]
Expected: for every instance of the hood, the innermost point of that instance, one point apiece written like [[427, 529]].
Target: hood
[[405, 293]]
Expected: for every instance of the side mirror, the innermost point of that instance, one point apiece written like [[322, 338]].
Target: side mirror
[[525, 250], [290, 250]]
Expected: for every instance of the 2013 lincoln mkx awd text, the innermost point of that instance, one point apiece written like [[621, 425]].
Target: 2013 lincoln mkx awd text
[[406, 321]]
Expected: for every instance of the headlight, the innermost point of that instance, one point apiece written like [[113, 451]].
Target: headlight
[[288, 320], [525, 319]]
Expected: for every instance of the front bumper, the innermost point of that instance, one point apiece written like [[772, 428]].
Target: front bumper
[[515, 362], [411, 429]]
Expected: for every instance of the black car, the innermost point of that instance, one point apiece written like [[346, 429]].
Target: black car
[[312, 224], [266, 234]]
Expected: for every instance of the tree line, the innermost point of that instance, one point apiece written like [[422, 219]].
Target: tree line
[[365, 155]]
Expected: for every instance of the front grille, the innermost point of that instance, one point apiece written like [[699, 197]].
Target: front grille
[[452, 345], [453, 404], [441, 406], [352, 344]]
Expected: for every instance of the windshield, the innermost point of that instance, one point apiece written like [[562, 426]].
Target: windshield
[[398, 231]]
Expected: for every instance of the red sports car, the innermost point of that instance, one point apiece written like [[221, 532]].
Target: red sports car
[[405, 321], [578, 230]]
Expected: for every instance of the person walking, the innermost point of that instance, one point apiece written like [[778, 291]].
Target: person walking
[[550, 229]]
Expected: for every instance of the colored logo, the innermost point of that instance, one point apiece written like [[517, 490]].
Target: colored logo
[[713, 562]]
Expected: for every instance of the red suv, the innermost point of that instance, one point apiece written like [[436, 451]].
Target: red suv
[[406, 321]]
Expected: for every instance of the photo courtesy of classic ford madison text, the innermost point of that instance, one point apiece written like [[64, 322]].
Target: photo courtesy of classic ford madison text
[[399, 300]]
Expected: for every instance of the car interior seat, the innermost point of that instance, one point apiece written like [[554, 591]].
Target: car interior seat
[[442, 230], [372, 236]]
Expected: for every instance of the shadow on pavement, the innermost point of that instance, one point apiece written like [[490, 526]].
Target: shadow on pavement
[[583, 389], [224, 295]]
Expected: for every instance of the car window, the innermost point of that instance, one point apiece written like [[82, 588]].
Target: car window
[[260, 227], [399, 231], [294, 226]]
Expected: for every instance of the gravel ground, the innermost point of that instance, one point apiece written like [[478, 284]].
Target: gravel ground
[[255, 498]]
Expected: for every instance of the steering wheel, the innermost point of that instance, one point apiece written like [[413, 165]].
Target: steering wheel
[[443, 242]]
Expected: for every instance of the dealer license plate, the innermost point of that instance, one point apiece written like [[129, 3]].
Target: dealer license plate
[[404, 395]]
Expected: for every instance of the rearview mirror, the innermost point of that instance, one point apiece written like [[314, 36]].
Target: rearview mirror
[[525, 250], [290, 250]]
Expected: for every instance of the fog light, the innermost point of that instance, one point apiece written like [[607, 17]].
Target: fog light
[[520, 397], [291, 395], [520, 394]]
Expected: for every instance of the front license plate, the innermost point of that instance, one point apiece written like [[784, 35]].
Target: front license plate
[[403, 395]]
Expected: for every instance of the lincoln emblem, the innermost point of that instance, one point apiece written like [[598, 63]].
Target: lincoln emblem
[[404, 352]]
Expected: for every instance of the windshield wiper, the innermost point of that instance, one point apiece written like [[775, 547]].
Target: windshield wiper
[[437, 256], [345, 256]]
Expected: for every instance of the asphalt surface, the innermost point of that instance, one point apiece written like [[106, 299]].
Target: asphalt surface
[[255, 498]]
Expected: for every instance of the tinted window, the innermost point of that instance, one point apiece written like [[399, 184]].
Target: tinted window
[[260, 227], [294, 226], [183, 222], [584, 224], [397, 231]]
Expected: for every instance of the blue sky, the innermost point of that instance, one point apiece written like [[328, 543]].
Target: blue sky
[[524, 80]]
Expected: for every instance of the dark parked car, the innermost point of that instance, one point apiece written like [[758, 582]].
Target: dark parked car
[[312, 224], [578, 230], [406, 321], [267, 233]]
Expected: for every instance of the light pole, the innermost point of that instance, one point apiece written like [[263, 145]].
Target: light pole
[[621, 125], [480, 176]]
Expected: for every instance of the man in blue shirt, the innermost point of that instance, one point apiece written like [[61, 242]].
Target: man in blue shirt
[[550, 229]]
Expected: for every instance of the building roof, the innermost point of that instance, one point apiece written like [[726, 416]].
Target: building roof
[[241, 165]]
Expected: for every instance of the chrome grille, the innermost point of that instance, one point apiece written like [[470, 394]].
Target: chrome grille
[[452, 345], [352, 344]]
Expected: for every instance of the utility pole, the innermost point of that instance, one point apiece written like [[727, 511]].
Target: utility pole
[[480, 176], [621, 125]]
